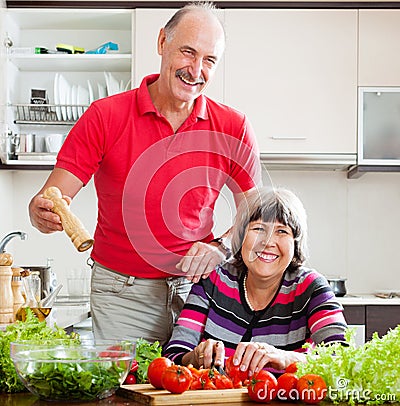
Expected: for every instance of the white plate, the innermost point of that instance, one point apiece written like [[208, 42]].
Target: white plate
[[128, 86], [74, 101], [57, 97], [101, 90], [69, 103], [63, 88], [83, 99], [112, 84], [91, 94]]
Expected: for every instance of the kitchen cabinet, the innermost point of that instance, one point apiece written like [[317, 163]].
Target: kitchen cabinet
[[148, 23], [89, 74], [294, 73], [379, 318], [379, 57], [2, 78]]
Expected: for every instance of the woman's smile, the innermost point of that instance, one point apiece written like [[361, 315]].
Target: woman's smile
[[266, 257]]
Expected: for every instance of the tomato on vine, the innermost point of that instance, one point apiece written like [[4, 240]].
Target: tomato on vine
[[176, 379], [156, 369], [263, 387]]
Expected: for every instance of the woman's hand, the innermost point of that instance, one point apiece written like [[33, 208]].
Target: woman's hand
[[205, 353], [255, 356]]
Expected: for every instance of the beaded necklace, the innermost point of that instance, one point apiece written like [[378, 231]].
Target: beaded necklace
[[245, 294]]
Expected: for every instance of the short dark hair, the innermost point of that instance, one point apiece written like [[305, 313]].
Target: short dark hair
[[270, 205]]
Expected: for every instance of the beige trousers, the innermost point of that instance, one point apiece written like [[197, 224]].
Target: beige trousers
[[126, 307]]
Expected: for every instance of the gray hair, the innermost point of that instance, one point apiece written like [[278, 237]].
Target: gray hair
[[271, 205], [206, 6]]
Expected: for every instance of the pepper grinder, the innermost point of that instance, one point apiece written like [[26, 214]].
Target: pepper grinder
[[6, 295], [72, 225], [17, 287]]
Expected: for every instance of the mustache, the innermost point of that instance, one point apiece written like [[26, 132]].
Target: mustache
[[188, 77]]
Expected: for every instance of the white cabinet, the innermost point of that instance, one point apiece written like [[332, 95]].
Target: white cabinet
[[379, 56], [148, 23], [28, 29], [2, 81], [294, 73]]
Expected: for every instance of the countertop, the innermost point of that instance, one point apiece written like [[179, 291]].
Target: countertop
[[27, 399], [355, 299], [70, 311]]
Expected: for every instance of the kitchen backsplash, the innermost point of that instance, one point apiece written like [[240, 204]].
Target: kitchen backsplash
[[353, 224]]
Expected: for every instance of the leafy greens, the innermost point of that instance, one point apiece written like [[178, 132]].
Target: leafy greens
[[31, 329], [367, 374], [145, 353]]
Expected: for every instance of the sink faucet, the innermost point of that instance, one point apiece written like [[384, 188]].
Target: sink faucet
[[9, 237]]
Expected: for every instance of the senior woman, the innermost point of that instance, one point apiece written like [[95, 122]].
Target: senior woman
[[262, 306]]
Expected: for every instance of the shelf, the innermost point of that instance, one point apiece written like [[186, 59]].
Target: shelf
[[72, 62], [78, 18], [46, 114]]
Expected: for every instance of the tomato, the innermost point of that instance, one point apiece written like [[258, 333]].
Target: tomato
[[222, 382], [156, 369], [237, 376], [311, 388], [134, 366], [263, 387], [130, 379], [176, 379], [291, 367], [287, 385]]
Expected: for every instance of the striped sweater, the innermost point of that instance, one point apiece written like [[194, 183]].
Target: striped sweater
[[304, 309]]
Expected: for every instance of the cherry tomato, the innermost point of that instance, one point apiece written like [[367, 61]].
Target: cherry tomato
[[287, 385], [263, 387], [311, 388], [130, 379], [156, 369], [237, 376], [291, 367], [176, 379], [134, 366]]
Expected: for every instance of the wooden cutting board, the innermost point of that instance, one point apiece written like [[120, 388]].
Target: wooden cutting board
[[147, 395]]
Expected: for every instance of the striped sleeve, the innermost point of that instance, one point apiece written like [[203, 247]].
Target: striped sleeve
[[326, 321], [189, 328]]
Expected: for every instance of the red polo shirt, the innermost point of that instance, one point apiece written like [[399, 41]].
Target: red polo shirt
[[156, 189]]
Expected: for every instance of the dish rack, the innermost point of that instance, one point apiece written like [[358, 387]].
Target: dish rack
[[54, 114]]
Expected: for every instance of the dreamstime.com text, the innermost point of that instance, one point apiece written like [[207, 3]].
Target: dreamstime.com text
[[331, 393]]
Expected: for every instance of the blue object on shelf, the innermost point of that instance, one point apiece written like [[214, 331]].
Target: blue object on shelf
[[102, 49]]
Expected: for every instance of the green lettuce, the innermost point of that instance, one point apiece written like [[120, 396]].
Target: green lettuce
[[32, 329], [145, 353], [366, 374]]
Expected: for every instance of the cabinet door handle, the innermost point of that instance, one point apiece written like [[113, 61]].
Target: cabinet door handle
[[288, 137]]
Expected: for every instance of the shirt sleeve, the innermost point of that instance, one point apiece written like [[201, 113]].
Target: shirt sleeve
[[245, 164], [83, 149], [189, 328], [326, 321]]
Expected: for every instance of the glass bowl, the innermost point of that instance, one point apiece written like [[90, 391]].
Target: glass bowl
[[69, 371]]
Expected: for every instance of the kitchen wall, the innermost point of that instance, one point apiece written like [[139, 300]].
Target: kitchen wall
[[353, 224]]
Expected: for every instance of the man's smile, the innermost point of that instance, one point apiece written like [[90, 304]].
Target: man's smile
[[188, 79]]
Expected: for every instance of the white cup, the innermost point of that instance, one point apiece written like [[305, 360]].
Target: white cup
[[54, 142]]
